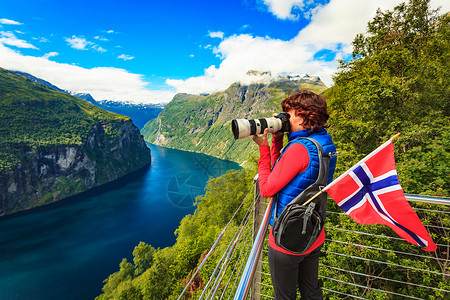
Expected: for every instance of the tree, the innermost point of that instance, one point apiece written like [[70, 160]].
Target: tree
[[143, 257], [125, 273], [397, 81]]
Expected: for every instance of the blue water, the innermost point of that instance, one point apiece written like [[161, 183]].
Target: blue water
[[67, 249]]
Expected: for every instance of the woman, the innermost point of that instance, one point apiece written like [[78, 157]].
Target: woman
[[294, 170]]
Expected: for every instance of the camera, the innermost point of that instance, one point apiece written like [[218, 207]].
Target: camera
[[243, 128]]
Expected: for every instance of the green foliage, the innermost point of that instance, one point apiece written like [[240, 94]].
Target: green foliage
[[397, 82], [33, 116], [119, 279], [143, 257]]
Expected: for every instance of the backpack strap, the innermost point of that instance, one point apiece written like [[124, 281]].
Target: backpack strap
[[324, 168], [321, 181]]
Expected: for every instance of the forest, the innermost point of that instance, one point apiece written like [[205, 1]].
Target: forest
[[55, 118], [396, 82]]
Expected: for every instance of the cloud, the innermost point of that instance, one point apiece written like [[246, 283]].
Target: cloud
[[125, 57], [244, 27], [8, 38], [50, 54], [41, 39], [9, 22], [331, 30], [79, 43], [110, 31], [282, 8], [244, 52], [340, 21], [101, 82], [444, 4], [98, 48], [100, 38], [216, 34]]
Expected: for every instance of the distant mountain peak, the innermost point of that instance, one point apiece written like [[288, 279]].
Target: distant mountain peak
[[266, 77]]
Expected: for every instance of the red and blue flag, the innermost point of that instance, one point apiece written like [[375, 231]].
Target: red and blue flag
[[370, 193]]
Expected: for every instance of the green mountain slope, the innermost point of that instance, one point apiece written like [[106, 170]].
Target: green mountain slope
[[53, 145], [203, 123]]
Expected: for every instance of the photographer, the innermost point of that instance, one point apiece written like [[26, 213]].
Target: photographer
[[285, 174]]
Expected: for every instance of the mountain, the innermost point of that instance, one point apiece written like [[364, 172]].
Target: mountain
[[202, 123], [53, 145], [39, 80], [139, 113]]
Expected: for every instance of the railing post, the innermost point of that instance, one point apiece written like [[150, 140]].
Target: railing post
[[258, 216]]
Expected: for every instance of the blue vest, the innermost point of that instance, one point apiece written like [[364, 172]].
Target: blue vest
[[304, 179]]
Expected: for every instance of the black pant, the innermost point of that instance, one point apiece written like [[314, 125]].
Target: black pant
[[288, 271]]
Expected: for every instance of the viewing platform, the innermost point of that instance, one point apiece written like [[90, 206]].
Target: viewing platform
[[357, 261]]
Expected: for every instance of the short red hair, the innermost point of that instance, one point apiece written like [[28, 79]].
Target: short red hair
[[310, 106]]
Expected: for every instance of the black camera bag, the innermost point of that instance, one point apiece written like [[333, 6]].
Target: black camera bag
[[299, 225]]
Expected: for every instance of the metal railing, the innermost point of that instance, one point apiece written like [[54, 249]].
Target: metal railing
[[358, 262]]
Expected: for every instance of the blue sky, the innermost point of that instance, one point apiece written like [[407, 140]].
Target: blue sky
[[146, 51]]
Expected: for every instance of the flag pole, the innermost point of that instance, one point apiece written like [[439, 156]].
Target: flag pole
[[394, 136], [325, 188]]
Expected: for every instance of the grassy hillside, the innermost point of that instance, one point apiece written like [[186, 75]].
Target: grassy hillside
[[33, 116]]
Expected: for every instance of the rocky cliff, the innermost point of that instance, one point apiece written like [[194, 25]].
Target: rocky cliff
[[202, 123], [53, 145]]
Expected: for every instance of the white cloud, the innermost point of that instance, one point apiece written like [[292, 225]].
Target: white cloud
[[41, 39], [50, 54], [9, 22], [333, 27], [340, 21], [444, 4], [125, 57], [216, 34], [110, 31], [98, 48], [8, 38], [101, 38], [244, 52], [282, 8], [79, 43], [101, 82], [244, 27]]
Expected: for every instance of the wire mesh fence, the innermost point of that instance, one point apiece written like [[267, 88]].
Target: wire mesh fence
[[357, 262]]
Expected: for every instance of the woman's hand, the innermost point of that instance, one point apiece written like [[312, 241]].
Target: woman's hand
[[278, 133], [261, 140]]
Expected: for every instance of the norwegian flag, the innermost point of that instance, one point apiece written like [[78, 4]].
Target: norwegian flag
[[370, 194]]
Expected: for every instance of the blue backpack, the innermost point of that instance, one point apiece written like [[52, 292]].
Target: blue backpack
[[300, 222]]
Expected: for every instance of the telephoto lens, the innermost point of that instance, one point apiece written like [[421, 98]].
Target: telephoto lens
[[243, 128]]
